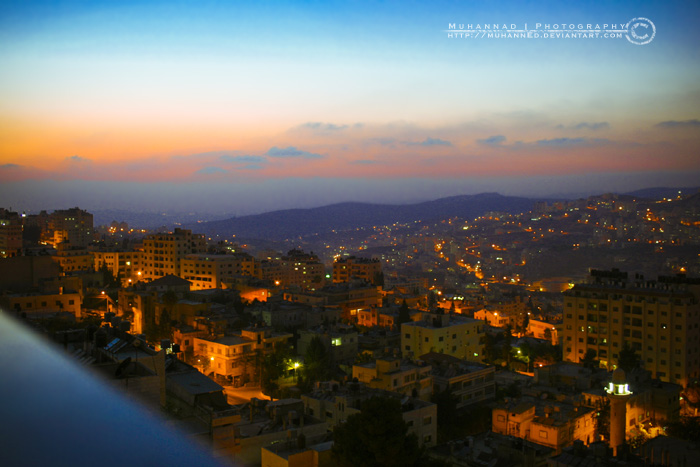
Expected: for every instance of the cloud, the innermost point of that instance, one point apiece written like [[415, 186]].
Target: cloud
[[10, 166], [492, 140], [291, 151], [430, 142], [593, 126], [211, 171], [323, 126], [382, 141], [78, 160], [243, 159], [365, 162], [694, 123], [565, 142]]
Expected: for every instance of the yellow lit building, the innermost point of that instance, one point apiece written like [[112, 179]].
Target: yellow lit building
[[129, 265], [450, 334], [555, 425], [658, 319], [206, 271], [296, 268], [235, 357], [163, 253], [73, 259], [10, 234], [345, 269], [74, 226], [393, 374]]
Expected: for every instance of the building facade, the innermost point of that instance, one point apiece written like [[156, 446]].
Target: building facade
[[658, 319]]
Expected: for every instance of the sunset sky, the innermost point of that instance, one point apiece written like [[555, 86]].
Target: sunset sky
[[224, 106]]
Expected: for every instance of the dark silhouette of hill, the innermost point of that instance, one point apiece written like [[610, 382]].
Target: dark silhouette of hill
[[290, 223], [662, 192]]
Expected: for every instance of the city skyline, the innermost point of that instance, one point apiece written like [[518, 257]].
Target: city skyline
[[287, 104]]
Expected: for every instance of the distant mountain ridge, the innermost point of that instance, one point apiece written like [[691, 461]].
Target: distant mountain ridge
[[290, 223]]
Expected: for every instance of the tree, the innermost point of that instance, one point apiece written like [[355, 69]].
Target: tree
[[548, 334], [378, 279], [628, 359], [489, 348], [589, 360], [432, 300], [377, 436], [602, 419], [446, 412], [316, 361], [404, 315], [272, 367]]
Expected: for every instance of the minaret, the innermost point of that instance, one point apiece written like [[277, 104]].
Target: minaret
[[618, 393]]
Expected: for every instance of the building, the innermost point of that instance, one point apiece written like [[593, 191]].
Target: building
[[618, 394], [544, 330], [163, 253], [350, 297], [211, 271], [449, 334], [266, 427], [341, 342], [127, 265], [10, 234], [395, 374], [235, 357], [72, 259], [40, 304], [469, 382], [74, 226], [295, 269], [334, 403], [492, 317], [637, 403], [547, 423], [291, 454], [658, 319], [346, 269]]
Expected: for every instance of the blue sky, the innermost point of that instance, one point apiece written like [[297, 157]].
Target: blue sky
[[365, 101]]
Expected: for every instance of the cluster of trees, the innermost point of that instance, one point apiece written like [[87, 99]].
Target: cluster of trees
[[378, 436]]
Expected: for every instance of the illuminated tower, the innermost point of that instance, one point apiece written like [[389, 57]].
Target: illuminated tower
[[618, 393]]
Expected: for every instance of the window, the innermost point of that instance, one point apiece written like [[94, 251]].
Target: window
[[543, 434], [427, 420]]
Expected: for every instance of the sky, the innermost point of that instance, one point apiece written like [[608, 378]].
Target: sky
[[246, 107]]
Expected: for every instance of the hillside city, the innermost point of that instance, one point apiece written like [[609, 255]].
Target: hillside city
[[565, 335]]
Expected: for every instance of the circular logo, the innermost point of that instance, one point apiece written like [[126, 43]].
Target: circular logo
[[640, 31]]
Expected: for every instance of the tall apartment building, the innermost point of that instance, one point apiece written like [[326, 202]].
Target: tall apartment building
[[10, 234], [345, 269], [128, 265], [450, 334], [659, 319], [209, 271], [71, 225], [163, 253], [296, 268]]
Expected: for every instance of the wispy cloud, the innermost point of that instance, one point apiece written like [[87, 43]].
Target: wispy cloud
[[323, 126], [211, 171], [694, 123], [593, 126], [492, 140], [366, 162], [78, 160], [429, 142], [243, 159], [382, 141], [10, 166], [564, 142], [291, 151]]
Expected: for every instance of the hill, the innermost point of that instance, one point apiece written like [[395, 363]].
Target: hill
[[290, 223]]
